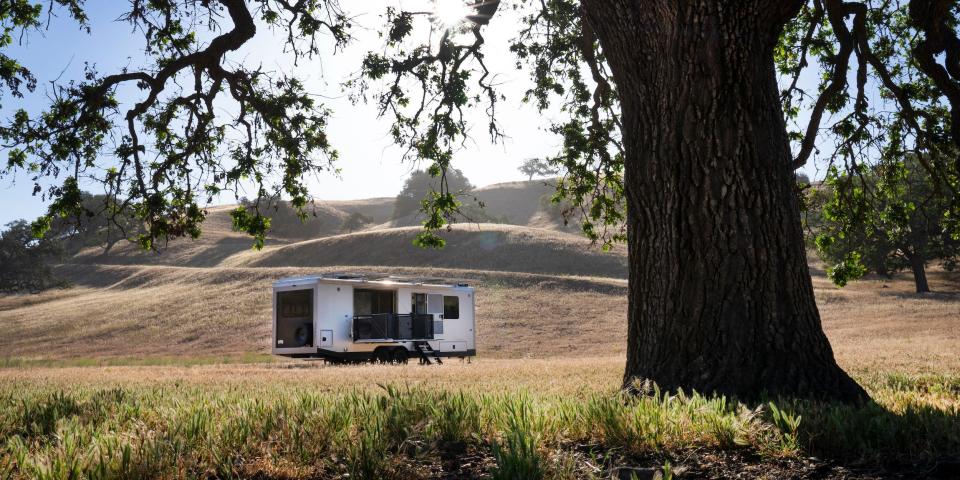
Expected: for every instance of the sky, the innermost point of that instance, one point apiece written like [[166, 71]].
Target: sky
[[371, 166]]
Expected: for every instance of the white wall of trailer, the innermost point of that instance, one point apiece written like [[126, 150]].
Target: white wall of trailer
[[458, 333], [333, 315]]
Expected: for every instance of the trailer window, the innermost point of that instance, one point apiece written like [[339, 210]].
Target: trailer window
[[419, 302], [434, 303], [451, 307], [373, 302], [295, 304]]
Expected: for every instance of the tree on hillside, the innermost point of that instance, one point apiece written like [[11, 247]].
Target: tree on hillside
[[25, 260], [670, 108], [100, 222], [537, 167], [355, 221], [884, 219], [421, 185]]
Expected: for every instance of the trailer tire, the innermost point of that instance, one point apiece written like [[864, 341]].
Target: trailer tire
[[400, 355], [382, 355]]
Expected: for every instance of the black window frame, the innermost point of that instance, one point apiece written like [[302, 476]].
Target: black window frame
[[380, 301], [455, 308], [283, 307]]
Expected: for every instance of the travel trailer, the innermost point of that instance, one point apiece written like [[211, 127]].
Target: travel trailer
[[353, 318]]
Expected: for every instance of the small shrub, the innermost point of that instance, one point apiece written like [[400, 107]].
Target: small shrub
[[788, 425], [38, 418], [517, 455], [456, 418]]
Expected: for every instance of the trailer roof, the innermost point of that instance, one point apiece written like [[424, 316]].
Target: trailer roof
[[379, 278]]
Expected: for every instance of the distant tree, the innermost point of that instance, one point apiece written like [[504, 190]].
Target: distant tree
[[355, 221], [25, 260], [811, 198], [287, 221], [537, 167], [887, 218], [422, 185], [100, 222]]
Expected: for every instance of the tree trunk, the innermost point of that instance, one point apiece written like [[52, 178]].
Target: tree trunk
[[110, 243], [919, 267], [720, 297]]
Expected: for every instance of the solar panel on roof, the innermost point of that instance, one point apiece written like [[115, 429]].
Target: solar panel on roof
[[383, 277]]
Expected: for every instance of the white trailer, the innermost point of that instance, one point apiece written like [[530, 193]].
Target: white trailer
[[351, 318]]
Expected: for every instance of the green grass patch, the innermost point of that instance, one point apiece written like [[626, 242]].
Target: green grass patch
[[293, 431]]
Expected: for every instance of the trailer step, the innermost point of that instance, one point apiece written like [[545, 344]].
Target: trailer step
[[428, 355]]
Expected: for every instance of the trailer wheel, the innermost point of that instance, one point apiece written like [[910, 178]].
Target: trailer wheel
[[382, 355], [400, 355]]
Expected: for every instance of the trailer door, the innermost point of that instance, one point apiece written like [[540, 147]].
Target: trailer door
[[432, 304], [435, 308], [294, 318]]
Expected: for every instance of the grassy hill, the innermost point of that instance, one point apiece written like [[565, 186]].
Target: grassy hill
[[532, 240], [542, 292], [137, 311], [378, 209], [546, 289], [507, 248]]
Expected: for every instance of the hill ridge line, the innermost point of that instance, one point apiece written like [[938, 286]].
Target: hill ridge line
[[352, 268]]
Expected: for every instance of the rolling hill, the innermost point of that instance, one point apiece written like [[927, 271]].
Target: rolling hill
[[507, 248], [135, 312], [531, 238], [542, 291]]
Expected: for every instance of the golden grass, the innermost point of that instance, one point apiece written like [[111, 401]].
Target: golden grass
[[541, 293], [551, 247], [163, 311], [551, 326], [470, 246], [517, 202], [136, 311], [567, 377], [879, 324], [378, 209]]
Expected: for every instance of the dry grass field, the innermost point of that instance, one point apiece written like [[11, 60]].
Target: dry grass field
[[157, 365], [482, 246], [146, 310], [132, 311], [548, 377]]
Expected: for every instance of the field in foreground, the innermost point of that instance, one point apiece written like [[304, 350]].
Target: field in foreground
[[122, 376], [560, 418]]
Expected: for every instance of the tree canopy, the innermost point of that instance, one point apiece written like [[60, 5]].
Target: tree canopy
[[537, 167], [421, 185], [886, 218], [25, 260], [164, 152]]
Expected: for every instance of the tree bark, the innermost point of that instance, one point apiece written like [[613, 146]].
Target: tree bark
[[720, 296], [919, 267]]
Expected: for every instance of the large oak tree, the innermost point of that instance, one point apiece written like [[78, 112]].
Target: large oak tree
[[684, 122]]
